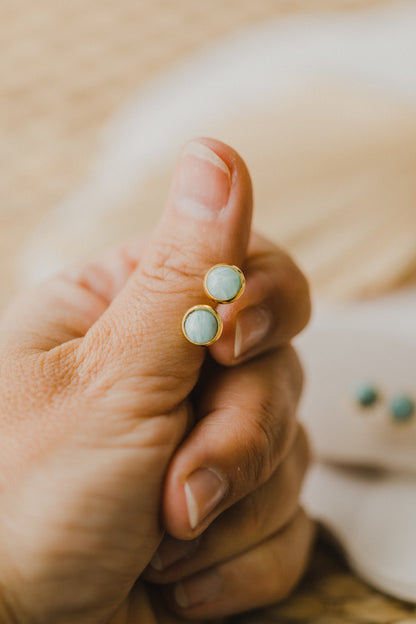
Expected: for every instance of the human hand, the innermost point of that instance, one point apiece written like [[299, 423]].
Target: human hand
[[94, 394], [249, 548]]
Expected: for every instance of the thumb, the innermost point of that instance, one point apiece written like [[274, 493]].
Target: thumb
[[207, 221]]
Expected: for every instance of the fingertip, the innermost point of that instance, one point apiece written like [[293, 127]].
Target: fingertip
[[193, 494], [210, 176], [228, 154], [242, 193]]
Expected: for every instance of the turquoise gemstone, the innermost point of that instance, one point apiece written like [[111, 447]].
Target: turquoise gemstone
[[402, 408], [223, 283], [366, 395], [201, 326]]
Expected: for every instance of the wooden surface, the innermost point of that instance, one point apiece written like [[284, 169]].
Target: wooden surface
[[64, 68], [330, 594]]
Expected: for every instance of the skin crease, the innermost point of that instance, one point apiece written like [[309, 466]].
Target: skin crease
[[103, 419]]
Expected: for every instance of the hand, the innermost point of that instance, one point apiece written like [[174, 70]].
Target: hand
[[247, 434], [95, 386]]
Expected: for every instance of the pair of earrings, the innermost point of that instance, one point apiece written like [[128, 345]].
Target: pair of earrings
[[401, 407], [201, 324]]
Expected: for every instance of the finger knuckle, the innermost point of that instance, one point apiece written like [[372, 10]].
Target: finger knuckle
[[168, 264], [263, 452], [290, 564], [294, 291], [292, 471], [91, 277], [279, 583], [254, 513], [292, 377], [282, 582], [302, 292], [298, 288], [304, 449]]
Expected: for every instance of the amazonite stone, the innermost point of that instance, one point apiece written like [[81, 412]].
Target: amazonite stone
[[402, 408], [366, 395], [223, 283], [201, 326]]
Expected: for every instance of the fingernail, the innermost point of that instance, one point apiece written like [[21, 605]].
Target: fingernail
[[171, 551], [202, 183], [202, 588], [204, 489], [252, 325]]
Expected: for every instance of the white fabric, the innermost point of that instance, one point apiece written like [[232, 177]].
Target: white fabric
[[371, 512], [344, 346], [373, 517]]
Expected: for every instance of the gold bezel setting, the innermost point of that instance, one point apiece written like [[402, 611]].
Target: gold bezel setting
[[242, 280], [211, 311]]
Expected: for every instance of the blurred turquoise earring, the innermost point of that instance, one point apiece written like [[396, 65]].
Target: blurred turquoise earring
[[366, 394], [402, 408]]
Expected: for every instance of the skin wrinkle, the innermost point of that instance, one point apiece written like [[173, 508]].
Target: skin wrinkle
[[257, 521], [290, 473], [270, 554], [269, 432], [259, 440], [95, 359], [88, 280], [169, 265]]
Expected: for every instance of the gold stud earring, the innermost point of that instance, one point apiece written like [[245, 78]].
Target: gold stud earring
[[202, 325], [224, 283]]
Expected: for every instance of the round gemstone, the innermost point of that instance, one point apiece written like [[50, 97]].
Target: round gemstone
[[366, 395], [201, 326], [223, 283], [402, 408]]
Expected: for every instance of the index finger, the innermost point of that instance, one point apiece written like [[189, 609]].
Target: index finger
[[276, 305], [246, 427]]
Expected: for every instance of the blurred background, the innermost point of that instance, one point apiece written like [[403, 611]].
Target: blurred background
[[67, 69], [319, 97]]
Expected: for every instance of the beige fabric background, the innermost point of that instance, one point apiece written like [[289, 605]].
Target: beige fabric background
[[66, 66]]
